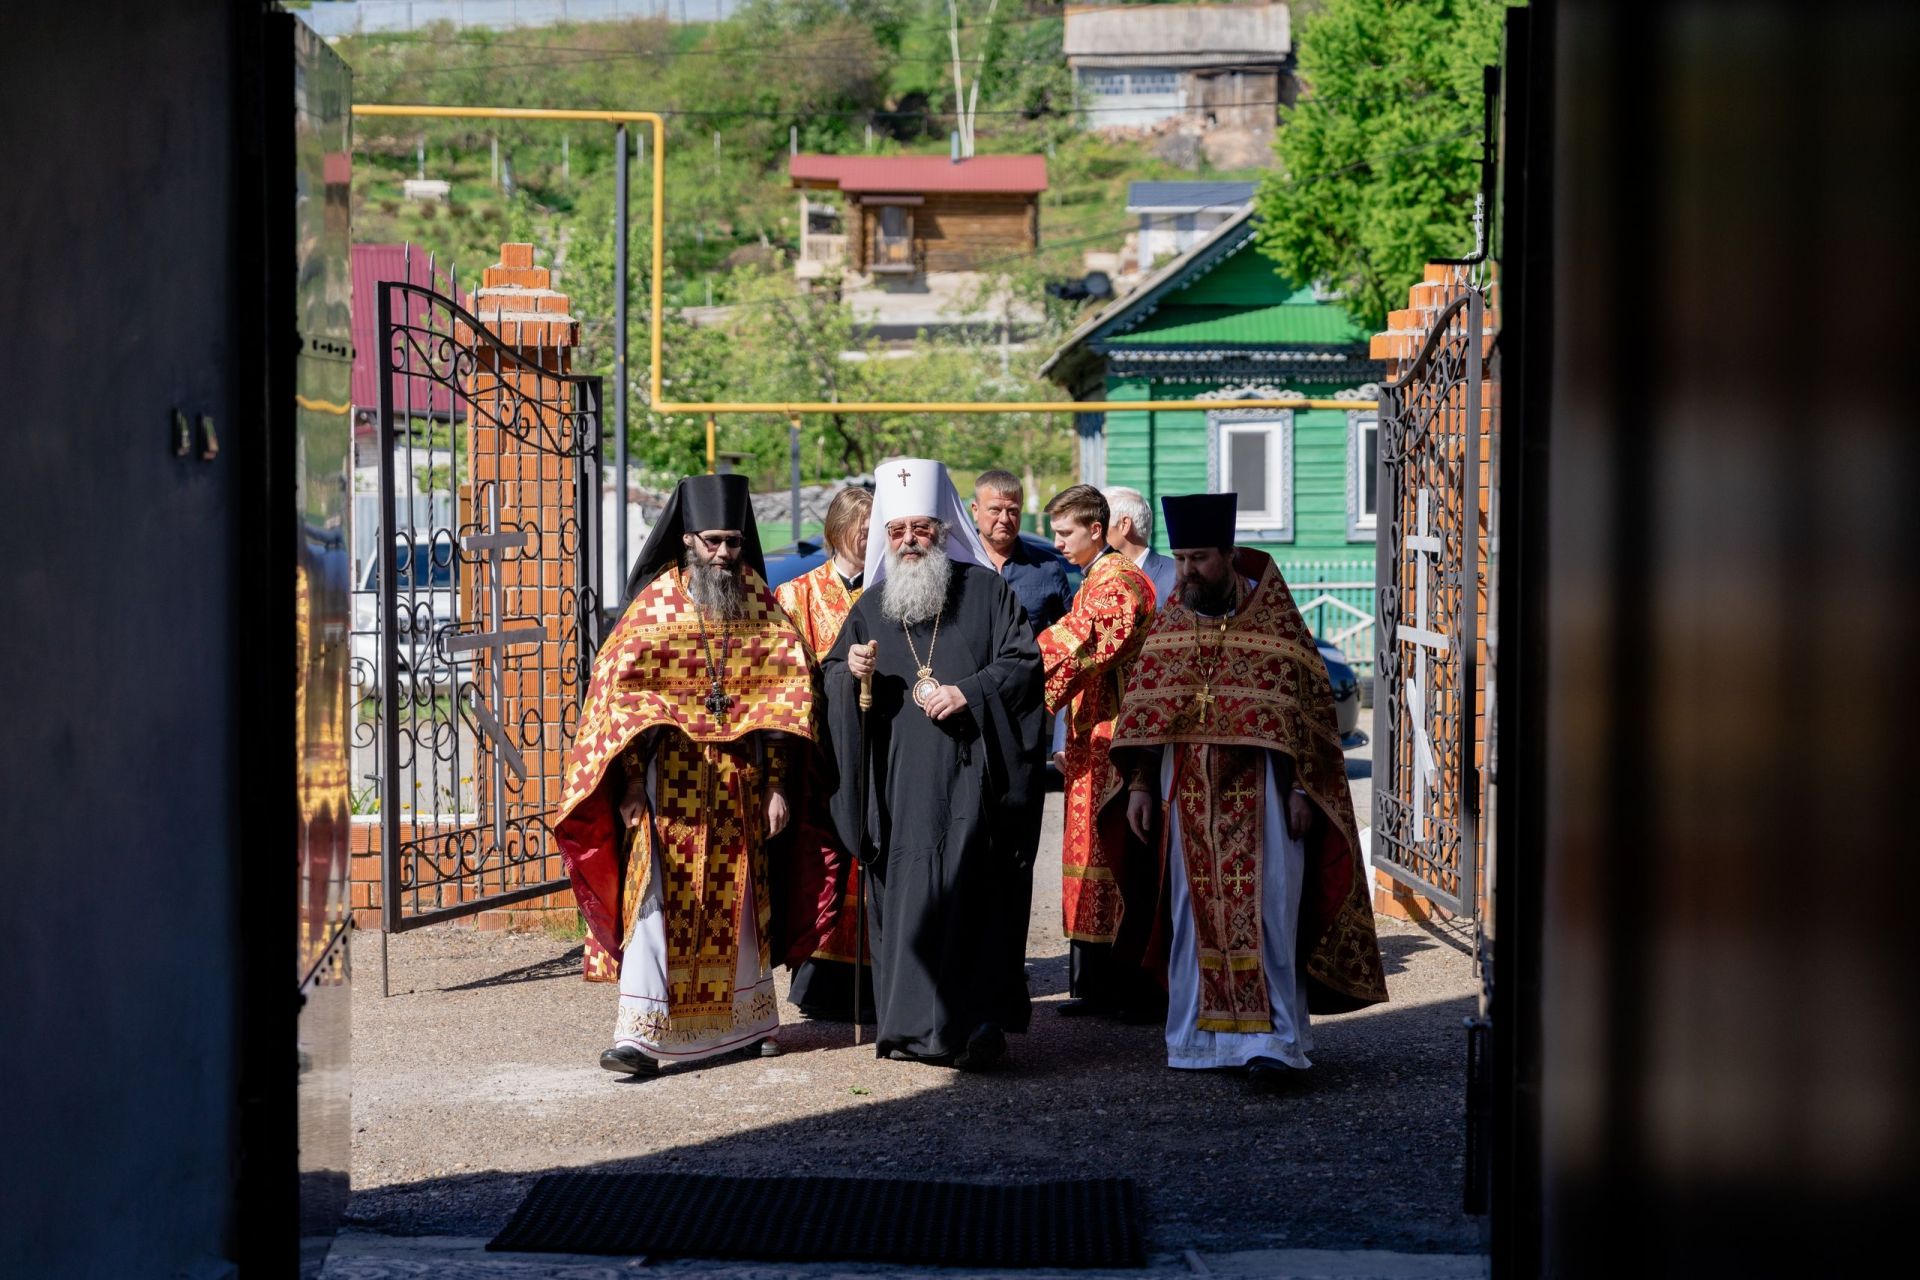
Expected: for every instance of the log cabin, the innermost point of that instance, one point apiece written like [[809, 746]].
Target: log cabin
[[910, 216]]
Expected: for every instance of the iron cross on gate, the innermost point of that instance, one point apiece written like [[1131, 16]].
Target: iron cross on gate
[[1422, 543], [493, 545]]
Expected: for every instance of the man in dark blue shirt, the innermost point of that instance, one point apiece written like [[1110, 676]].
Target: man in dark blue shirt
[[1039, 582], [1041, 585]]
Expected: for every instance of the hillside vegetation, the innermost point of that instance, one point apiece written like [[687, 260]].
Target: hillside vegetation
[[845, 76]]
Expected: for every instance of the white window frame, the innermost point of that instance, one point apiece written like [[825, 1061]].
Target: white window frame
[[1362, 526], [1275, 524]]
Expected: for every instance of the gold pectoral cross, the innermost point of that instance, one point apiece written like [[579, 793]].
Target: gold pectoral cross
[[1205, 699]]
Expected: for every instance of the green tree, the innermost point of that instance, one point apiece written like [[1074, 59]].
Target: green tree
[[1379, 159]]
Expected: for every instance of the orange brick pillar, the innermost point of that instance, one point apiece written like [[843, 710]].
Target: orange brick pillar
[[1399, 346], [520, 484]]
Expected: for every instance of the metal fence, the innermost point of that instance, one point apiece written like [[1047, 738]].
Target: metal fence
[[335, 18], [1337, 599]]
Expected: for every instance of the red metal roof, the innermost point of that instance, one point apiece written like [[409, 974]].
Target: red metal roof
[[906, 175], [372, 264]]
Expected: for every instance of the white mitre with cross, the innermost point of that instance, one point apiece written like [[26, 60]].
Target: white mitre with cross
[[908, 488]]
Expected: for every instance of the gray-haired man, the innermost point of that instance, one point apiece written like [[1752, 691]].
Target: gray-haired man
[[1131, 534]]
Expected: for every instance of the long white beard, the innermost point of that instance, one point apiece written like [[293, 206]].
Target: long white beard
[[915, 590]]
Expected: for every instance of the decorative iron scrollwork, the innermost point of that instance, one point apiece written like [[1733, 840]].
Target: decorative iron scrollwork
[[476, 629]]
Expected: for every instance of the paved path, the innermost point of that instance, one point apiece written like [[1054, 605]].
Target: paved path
[[479, 1073]]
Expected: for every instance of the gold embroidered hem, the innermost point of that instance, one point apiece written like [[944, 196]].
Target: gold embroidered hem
[[653, 1030]]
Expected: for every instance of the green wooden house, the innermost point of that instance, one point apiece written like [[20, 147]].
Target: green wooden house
[[1218, 323]]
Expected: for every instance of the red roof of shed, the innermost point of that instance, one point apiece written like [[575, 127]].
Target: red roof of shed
[[1015, 175], [372, 264]]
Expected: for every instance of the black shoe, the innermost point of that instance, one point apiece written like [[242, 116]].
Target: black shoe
[[1141, 1015], [769, 1048], [931, 1059], [823, 1013], [986, 1047], [629, 1061], [1270, 1075], [1085, 1009]]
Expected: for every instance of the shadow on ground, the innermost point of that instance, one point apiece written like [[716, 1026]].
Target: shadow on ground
[[1365, 1153], [565, 965]]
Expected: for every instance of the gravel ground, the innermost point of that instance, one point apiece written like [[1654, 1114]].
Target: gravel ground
[[480, 1072]]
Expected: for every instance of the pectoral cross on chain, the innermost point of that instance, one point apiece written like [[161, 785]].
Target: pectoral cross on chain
[[718, 703], [1205, 699]]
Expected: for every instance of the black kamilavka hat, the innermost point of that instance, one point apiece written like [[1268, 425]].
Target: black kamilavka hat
[[698, 503], [1197, 520]]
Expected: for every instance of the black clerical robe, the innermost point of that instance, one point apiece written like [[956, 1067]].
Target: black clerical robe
[[947, 920]]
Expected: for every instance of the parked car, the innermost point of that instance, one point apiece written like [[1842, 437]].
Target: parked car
[[784, 564], [795, 558], [1346, 689], [426, 582]]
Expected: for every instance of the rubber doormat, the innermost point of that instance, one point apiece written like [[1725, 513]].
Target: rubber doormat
[[1080, 1223]]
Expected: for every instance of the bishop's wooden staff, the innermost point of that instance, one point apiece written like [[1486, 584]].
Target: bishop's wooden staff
[[860, 893]]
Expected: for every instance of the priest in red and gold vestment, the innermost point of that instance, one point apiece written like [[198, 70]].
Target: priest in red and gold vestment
[[1228, 737], [1109, 878], [675, 780], [818, 602]]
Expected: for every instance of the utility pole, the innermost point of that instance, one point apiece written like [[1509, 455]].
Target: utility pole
[[493, 175], [566, 158], [793, 454], [620, 358]]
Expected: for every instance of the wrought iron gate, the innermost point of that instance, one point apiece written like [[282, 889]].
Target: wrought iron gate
[[1426, 701], [477, 611]]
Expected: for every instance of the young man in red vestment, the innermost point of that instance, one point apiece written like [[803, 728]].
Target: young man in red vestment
[[1227, 729], [1108, 876]]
